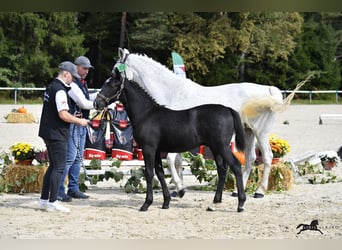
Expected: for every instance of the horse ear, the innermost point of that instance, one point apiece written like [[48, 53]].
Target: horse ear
[[120, 53]]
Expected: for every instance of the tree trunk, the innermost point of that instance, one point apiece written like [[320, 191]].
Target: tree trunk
[[123, 29]]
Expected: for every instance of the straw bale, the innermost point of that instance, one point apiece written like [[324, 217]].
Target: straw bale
[[23, 178], [20, 118], [286, 182], [286, 173]]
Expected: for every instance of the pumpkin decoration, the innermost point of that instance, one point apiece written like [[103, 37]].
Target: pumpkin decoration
[[22, 110], [240, 156]]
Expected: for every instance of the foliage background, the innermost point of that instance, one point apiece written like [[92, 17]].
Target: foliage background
[[274, 48]]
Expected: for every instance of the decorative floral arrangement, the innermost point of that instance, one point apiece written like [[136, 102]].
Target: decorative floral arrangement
[[41, 155], [279, 147], [22, 151], [330, 156]]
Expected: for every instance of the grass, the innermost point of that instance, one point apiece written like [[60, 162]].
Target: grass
[[7, 98], [317, 102], [21, 102]]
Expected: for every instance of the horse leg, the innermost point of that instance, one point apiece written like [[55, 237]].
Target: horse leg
[[267, 159], [235, 166], [179, 167], [221, 173], [161, 177], [249, 157], [174, 162], [149, 159], [226, 154]]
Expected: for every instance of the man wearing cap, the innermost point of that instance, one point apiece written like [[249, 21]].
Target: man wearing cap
[[81, 103], [54, 130]]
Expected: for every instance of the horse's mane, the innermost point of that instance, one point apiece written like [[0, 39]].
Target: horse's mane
[[155, 67], [137, 87]]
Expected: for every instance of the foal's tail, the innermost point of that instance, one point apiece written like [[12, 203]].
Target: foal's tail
[[239, 131]]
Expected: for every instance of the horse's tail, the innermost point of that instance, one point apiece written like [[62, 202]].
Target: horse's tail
[[288, 99], [300, 225], [240, 142], [273, 102]]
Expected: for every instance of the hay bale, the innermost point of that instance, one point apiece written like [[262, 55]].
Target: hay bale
[[280, 176], [22, 178], [20, 118]]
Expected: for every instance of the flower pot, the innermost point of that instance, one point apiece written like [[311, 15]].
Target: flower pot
[[275, 161], [24, 162], [328, 165]]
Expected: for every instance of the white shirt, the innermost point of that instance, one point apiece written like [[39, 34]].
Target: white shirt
[[61, 98], [79, 98]]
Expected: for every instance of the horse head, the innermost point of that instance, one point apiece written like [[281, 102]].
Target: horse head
[[110, 91]]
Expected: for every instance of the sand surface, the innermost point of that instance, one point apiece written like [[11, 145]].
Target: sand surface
[[110, 213]]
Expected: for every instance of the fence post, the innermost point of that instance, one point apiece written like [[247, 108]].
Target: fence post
[[310, 96], [15, 95]]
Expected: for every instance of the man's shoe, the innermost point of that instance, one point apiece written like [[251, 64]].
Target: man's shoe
[[64, 197], [43, 204], [77, 194], [57, 207]]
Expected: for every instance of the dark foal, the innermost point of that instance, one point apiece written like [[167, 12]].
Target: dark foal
[[158, 129]]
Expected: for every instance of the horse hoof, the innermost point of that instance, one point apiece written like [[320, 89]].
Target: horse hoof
[[143, 209], [234, 194], [181, 193], [240, 209], [210, 209], [174, 194], [257, 195], [165, 207]]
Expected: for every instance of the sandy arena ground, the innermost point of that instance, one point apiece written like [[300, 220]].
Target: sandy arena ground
[[110, 213]]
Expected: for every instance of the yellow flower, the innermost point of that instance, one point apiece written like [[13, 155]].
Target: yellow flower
[[279, 147], [22, 151]]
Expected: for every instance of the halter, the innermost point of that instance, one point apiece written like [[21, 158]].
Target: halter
[[122, 71], [109, 100]]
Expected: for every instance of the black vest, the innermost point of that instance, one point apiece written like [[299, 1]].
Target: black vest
[[74, 107], [52, 127]]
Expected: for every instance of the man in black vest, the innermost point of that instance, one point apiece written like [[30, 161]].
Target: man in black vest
[[54, 130], [81, 103]]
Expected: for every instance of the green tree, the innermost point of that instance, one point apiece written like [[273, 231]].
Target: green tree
[[149, 34], [33, 44], [316, 51], [102, 37], [201, 39]]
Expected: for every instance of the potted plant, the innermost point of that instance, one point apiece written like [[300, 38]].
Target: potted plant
[[41, 156], [21, 175], [23, 153], [329, 159], [279, 147]]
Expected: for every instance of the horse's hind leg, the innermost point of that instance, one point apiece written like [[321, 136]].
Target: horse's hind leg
[[235, 166], [249, 156], [174, 162], [161, 177], [267, 159]]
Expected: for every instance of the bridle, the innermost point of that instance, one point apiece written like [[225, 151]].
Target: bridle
[[122, 72], [109, 100]]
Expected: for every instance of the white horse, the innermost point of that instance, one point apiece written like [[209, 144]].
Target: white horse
[[255, 103]]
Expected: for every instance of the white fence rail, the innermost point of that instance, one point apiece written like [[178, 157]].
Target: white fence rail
[[310, 93], [17, 90]]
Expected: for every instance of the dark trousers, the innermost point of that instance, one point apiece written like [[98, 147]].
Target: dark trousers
[[53, 175]]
